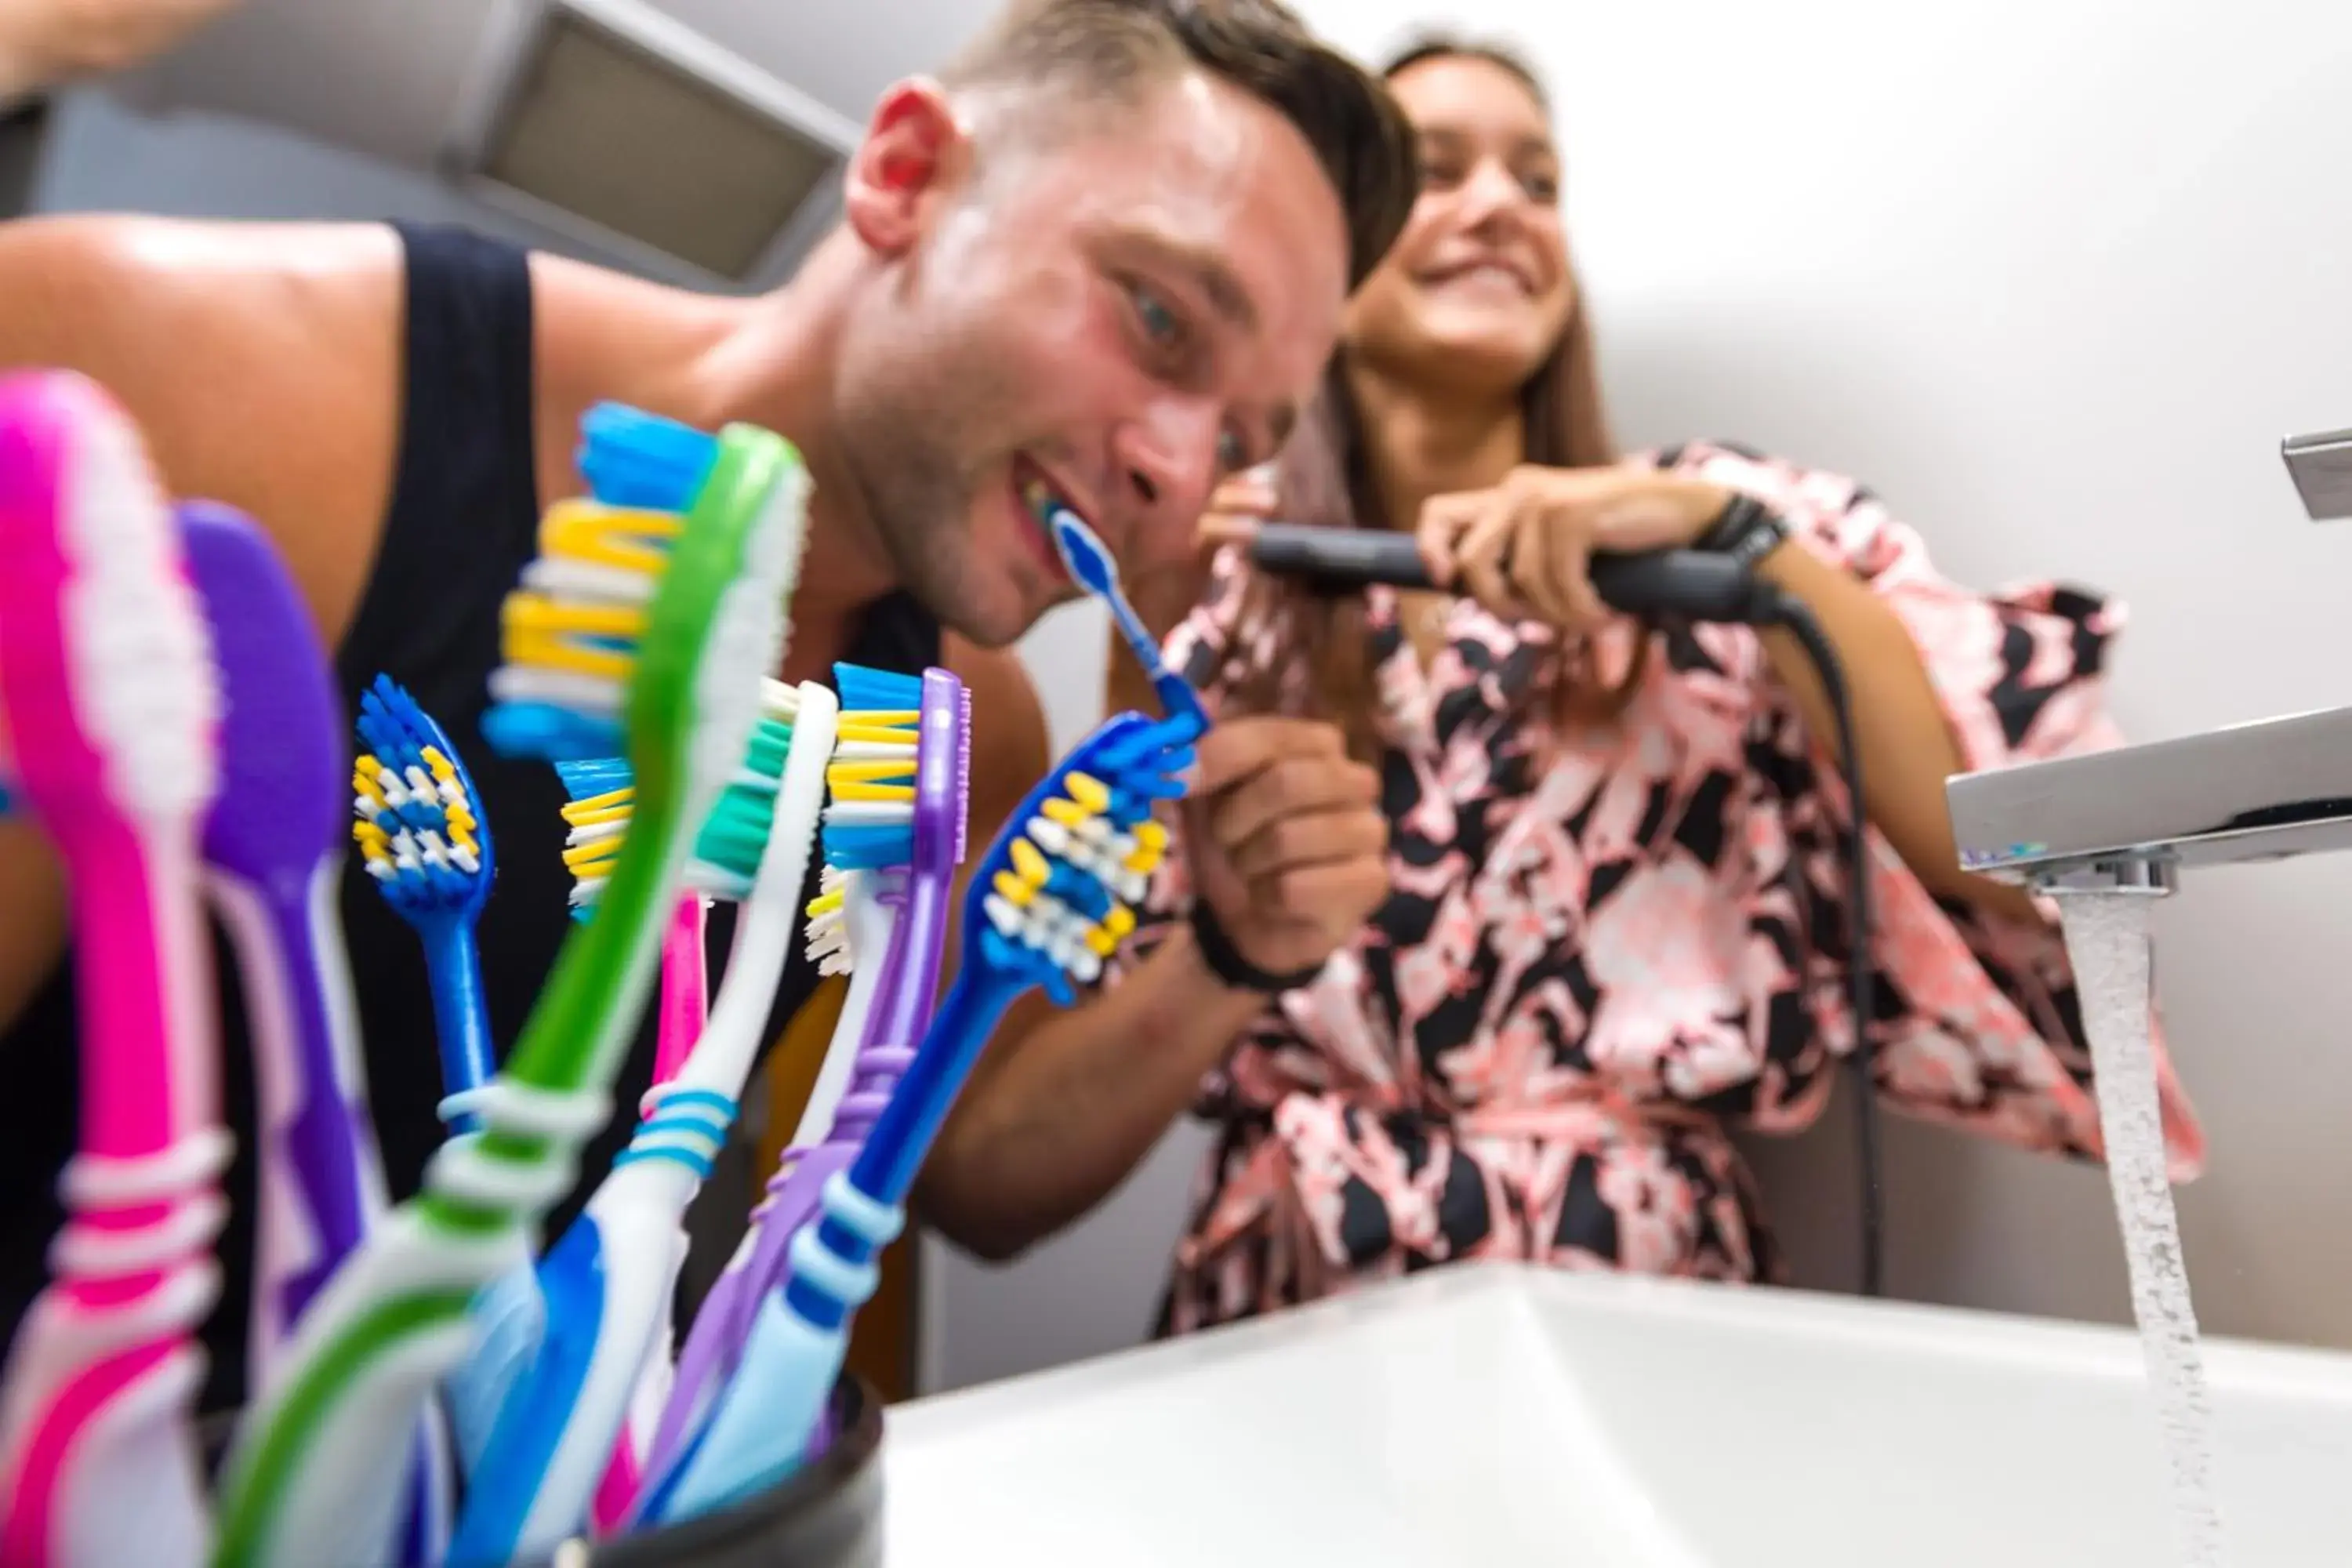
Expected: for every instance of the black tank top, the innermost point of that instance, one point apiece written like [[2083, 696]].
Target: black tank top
[[462, 522]]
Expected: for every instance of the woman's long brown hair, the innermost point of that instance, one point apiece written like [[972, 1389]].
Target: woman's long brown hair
[[1327, 478]]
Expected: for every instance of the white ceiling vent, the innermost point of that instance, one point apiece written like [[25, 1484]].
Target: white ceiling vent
[[619, 124]]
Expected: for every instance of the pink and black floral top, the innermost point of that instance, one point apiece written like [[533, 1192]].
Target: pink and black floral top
[[1600, 953]]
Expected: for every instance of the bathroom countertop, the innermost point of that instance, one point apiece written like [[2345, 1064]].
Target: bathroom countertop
[[1503, 1414]]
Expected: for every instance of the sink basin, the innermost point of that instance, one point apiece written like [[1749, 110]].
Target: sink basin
[[1502, 1414]]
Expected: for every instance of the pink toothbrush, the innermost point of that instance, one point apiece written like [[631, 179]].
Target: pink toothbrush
[[684, 987], [110, 702], [685, 1014]]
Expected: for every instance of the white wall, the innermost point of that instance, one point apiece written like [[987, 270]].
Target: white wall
[[2055, 279]]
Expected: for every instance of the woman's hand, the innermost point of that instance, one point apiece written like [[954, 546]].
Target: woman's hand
[[1236, 507], [1524, 548]]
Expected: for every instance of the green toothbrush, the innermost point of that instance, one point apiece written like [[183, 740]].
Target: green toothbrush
[[645, 628]]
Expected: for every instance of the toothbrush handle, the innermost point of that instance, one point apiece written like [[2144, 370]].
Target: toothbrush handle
[[616, 1489], [873, 909], [911, 984], [94, 1401], [722, 1326], [684, 987], [1183, 703], [763, 1420], [321, 1180], [460, 1014], [94, 1406], [144, 984], [320, 1184], [307, 1480], [902, 1135], [902, 981], [1176, 693], [767, 1417]]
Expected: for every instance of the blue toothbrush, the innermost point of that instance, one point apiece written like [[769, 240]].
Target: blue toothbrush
[[418, 823], [1052, 899], [1097, 573], [421, 837]]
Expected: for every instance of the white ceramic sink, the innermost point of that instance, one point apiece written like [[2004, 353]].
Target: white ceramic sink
[[1501, 1415]]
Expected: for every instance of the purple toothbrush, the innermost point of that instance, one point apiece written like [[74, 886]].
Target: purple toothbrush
[[273, 848], [273, 845], [898, 784], [792, 1191]]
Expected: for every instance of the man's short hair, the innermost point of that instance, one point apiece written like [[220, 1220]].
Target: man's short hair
[[1110, 50]]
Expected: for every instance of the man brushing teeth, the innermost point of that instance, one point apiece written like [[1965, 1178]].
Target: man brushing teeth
[[1116, 234]]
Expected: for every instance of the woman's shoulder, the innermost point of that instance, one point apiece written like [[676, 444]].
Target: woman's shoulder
[[1769, 475], [1835, 509]]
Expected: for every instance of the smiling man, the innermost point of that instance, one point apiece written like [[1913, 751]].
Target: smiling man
[[1100, 258]]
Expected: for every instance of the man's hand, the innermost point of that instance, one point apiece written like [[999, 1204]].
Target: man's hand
[[1285, 839]]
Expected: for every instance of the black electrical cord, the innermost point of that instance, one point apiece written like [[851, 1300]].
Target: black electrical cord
[[1783, 611]]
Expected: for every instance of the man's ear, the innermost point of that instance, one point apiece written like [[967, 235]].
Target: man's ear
[[916, 147]]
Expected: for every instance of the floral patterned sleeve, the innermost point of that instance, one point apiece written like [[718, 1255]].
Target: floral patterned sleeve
[[1979, 1022]]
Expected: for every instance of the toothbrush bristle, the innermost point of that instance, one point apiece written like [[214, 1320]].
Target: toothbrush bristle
[[734, 836], [826, 933], [1084, 553], [963, 776], [863, 688], [572, 629], [137, 648], [417, 824], [869, 815], [1066, 887], [633, 458]]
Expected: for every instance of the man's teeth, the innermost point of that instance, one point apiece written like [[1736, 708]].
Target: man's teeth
[[1039, 499]]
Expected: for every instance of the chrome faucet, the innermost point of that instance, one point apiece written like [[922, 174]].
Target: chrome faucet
[[2132, 818], [2321, 466]]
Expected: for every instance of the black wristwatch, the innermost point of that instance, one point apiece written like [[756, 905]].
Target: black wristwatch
[[1746, 530], [1226, 962]]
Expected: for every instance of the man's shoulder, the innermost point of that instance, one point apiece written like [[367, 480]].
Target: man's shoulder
[[137, 264]]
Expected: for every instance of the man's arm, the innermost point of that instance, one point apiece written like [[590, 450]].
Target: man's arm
[[1068, 1103], [1285, 839], [262, 362]]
